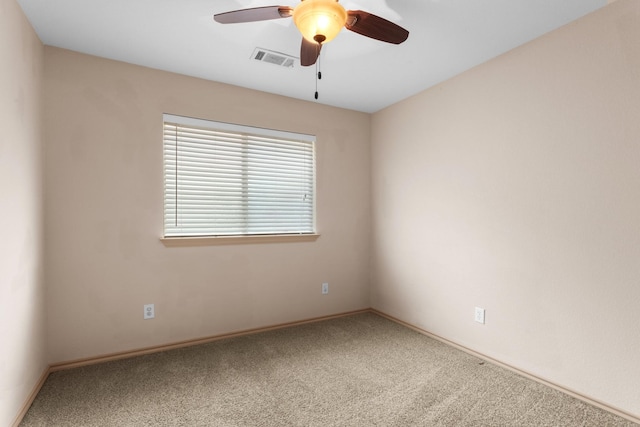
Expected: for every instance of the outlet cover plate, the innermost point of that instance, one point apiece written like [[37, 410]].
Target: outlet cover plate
[[479, 315], [149, 311]]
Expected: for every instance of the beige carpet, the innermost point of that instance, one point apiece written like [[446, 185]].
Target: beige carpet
[[361, 370]]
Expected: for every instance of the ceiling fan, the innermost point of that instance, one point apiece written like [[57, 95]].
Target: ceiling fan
[[320, 21]]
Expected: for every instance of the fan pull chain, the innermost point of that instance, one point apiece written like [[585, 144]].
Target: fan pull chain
[[316, 94], [318, 72]]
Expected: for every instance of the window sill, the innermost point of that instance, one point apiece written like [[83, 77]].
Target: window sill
[[237, 240]]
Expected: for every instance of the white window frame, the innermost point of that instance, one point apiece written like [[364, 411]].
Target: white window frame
[[179, 221]]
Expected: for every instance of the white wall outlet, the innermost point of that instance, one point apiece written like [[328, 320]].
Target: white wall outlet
[[149, 311], [479, 315], [325, 288]]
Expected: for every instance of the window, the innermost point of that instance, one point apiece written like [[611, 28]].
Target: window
[[229, 180]]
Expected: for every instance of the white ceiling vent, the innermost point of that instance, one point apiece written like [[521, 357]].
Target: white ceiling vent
[[272, 57]]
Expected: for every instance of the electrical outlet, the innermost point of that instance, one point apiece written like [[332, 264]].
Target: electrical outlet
[[479, 315], [325, 288], [149, 311]]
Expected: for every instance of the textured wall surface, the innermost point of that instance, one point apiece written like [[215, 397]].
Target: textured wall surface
[[104, 201], [22, 296], [515, 187]]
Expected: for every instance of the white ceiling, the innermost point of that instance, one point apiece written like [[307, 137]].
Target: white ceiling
[[446, 38]]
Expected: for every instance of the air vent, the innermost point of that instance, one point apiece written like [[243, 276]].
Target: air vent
[[272, 57]]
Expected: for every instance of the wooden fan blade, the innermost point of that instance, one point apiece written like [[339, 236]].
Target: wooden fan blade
[[375, 27], [309, 52], [254, 14]]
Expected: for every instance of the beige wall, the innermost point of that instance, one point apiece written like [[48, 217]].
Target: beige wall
[[22, 333], [104, 190], [516, 187]]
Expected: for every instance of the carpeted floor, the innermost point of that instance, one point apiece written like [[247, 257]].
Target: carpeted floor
[[360, 370]]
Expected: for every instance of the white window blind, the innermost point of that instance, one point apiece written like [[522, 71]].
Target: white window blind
[[228, 180]]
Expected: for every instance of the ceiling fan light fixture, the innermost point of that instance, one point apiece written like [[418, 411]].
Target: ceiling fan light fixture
[[319, 21]]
